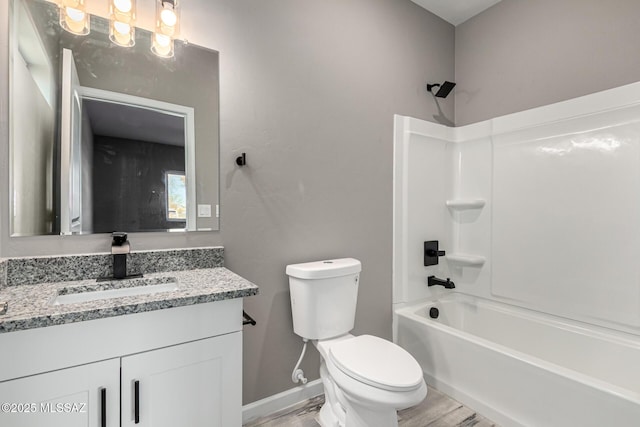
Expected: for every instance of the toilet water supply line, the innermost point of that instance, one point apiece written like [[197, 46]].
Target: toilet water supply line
[[298, 374]]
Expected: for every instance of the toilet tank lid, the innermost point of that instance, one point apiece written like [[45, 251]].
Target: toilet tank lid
[[324, 269]]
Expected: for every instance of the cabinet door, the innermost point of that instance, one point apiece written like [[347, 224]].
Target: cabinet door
[[196, 384], [87, 395]]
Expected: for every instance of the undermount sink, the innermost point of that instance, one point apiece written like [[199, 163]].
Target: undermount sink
[[114, 289]]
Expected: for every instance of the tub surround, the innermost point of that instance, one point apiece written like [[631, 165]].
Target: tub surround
[[519, 203], [34, 270], [541, 189], [30, 305]]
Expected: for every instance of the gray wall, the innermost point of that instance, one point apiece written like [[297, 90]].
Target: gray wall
[[308, 91], [521, 54]]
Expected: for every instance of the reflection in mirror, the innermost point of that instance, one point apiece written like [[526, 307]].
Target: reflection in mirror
[[136, 143], [104, 137]]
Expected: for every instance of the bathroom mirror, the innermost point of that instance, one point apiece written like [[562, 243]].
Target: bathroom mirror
[[107, 138]]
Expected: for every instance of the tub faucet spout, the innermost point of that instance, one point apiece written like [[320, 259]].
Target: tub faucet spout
[[434, 281]]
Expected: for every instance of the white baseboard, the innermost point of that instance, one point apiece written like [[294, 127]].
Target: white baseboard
[[280, 401]]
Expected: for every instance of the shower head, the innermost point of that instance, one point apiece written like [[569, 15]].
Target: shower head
[[443, 90]]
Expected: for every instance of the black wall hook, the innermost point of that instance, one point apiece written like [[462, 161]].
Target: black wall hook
[[241, 160]]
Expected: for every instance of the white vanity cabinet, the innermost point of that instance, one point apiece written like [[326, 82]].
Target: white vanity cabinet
[[83, 396], [191, 384], [185, 362]]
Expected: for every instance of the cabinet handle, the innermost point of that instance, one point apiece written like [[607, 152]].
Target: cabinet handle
[[103, 407], [136, 401]]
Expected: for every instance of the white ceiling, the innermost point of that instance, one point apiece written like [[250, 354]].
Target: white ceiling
[[130, 122], [456, 11]]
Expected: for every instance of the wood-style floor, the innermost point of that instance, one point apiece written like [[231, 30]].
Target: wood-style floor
[[437, 410]]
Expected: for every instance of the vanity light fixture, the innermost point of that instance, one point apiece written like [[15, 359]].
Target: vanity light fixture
[[122, 18], [167, 28], [74, 17]]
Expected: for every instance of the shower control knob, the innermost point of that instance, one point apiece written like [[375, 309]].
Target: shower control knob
[[432, 252]]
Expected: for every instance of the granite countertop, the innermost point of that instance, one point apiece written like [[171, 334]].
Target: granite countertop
[[31, 306]]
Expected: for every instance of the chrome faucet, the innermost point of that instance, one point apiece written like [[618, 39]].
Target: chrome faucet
[[119, 249]]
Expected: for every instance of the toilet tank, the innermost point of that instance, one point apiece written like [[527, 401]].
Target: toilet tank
[[323, 297]]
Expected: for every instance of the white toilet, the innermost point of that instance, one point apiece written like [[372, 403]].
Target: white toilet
[[366, 379]]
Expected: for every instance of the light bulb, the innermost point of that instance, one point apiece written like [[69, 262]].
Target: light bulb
[[122, 34], [122, 22], [123, 6], [168, 17], [75, 15], [162, 45], [121, 27], [163, 40], [74, 20]]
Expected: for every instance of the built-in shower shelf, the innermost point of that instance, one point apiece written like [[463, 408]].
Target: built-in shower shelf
[[463, 204], [466, 260]]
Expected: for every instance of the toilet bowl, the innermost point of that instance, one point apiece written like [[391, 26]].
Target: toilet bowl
[[366, 379], [371, 380]]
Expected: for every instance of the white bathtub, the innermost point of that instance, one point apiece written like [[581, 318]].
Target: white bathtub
[[523, 368]]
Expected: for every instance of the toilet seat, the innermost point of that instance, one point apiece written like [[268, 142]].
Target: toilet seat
[[376, 362]]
